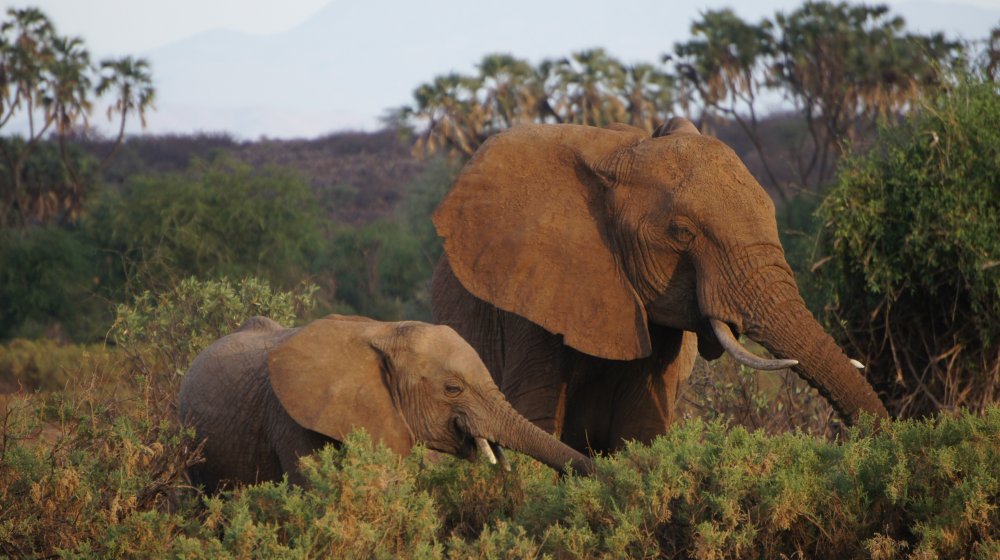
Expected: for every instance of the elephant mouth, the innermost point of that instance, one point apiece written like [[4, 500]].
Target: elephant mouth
[[470, 445]]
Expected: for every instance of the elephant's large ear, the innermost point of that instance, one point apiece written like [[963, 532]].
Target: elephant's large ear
[[330, 380], [525, 229]]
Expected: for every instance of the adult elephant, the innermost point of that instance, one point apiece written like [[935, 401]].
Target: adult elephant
[[588, 266]]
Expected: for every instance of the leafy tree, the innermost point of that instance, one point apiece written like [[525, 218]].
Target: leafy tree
[[218, 219], [47, 80], [992, 55], [163, 332], [50, 188], [383, 269], [845, 66], [912, 234]]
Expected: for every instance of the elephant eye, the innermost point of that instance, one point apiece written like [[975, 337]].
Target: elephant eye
[[682, 233], [452, 389]]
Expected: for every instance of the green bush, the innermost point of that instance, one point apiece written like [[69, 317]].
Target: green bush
[[363, 502], [912, 231], [219, 219], [47, 276], [383, 269], [164, 332]]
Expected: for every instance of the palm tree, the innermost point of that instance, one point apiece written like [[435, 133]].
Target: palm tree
[[592, 77], [510, 94], [48, 79], [455, 119], [132, 83], [30, 77], [648, 94]]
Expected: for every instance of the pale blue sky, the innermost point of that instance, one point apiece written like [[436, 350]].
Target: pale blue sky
[[202, 86]]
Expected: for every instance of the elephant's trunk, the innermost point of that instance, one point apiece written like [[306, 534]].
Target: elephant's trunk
[[514, 431], [788, 330]]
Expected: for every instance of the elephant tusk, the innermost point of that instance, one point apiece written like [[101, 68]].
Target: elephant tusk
[[484, 449], [501, 456], [741, 354], [857, 364]]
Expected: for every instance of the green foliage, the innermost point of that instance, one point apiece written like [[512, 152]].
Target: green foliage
[[218, 219], [164, 332], [383, 269], [50, 187], [913, 233], [362, 502], [46, 279], [587, 87], [842, 65], [706, 491]]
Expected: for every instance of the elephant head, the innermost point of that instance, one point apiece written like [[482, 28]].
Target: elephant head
[[404, 383], [593, 233]]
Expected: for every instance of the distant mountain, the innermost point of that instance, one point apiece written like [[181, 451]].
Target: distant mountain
[[352, 60]]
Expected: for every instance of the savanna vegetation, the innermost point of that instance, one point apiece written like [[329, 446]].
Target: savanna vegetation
[[122, 257]]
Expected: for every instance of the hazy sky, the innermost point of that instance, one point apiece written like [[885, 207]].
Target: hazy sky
[[153, 23], [188, 100]]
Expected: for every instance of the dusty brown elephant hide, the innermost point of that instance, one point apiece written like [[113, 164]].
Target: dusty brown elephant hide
[[588, 266], [265, 395]]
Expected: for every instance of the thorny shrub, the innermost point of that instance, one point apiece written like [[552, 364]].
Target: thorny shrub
[[772, 401]]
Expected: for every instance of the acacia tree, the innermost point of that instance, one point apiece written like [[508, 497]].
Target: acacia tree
[[47, 81], [845, 66]]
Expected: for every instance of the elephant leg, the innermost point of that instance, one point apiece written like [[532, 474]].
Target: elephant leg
[[612, 402], [299, 444], [645, 403]]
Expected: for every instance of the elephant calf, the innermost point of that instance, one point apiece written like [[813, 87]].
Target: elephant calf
[[265, 395]]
